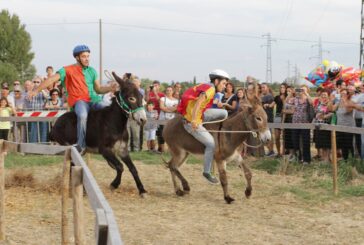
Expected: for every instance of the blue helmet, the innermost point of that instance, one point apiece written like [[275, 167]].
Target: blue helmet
[[79, 49]]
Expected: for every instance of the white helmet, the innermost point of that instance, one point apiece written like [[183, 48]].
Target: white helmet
[[218, 74]]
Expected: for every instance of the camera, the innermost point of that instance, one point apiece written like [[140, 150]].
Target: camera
[[298, 90], [151, 87]]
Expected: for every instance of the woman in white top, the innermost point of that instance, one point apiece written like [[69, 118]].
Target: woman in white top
[[168, 106]]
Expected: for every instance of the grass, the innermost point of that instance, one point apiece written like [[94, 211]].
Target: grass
[[153, 158], [14, 160], [316, 184]]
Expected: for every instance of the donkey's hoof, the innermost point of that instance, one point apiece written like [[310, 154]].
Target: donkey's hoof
[[112, 187], [143, 195], [229, 199], [179, 193], [248, 192]]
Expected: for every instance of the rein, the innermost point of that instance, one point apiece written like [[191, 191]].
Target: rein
[[125, 107]]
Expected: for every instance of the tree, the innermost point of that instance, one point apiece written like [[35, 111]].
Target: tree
[[15, 49]]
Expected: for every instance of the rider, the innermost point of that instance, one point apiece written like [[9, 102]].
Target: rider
[[195, 106], [82, 85]]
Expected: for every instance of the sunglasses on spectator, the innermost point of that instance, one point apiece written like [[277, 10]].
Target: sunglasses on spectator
[[16, 91], [36, 81], [16, 84]]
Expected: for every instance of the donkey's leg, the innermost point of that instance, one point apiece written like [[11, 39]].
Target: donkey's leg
[[221, 165], [113, 161], [178, 159], [248, 176], [185, 185], [129, 163]]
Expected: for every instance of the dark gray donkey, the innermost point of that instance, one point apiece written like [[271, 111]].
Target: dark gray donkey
[[106, 130]]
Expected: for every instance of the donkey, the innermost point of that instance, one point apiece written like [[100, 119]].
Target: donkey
[[250, 117], [106, 130]]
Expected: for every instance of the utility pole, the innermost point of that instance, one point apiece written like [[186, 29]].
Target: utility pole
[[288, 68], [296, 74], [319, 56], [100, 43], [361, 60], [268, 71]]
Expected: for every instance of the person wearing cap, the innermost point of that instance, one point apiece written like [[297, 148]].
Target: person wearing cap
[[82, 86], [5, 93], [195, 107]]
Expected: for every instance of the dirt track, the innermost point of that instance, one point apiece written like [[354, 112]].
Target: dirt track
[[271, 216]]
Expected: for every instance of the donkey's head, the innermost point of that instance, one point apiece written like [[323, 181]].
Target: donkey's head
[[255, 118], [129, 98]]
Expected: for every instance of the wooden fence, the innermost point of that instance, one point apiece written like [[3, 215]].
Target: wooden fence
[[79, 177]]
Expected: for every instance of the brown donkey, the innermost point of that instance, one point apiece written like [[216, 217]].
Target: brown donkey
[[250, 117]]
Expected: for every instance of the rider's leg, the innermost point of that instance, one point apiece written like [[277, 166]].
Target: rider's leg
[[81, 110], [214, 114], [206, 139]]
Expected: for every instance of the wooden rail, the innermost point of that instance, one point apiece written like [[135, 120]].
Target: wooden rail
[[106, 228]]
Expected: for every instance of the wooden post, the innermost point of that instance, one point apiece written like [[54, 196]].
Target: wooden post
[[65, 195], [334, 161], [101, 228], [78, 213], [2, 192]]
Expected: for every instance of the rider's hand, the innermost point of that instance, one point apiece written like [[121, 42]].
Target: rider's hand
[[114, 87], [194, 125]]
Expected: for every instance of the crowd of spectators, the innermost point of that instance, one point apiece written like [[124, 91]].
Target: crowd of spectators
[[341, 105], [14, 96]]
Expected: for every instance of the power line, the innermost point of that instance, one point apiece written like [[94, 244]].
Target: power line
[[231, 35]]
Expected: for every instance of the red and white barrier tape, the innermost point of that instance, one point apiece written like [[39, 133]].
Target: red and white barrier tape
[[40, 113]]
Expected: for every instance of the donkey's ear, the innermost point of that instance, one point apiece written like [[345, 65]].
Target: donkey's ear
[[120, 81], [245, 103]]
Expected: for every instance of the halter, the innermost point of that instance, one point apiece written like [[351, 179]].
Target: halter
[[125, 107]]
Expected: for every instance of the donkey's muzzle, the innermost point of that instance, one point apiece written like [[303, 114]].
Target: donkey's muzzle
[[265, 136]]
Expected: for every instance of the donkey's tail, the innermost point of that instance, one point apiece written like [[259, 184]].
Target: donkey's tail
[[166, 164], [169, 164]]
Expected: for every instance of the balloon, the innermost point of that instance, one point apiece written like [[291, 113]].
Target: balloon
[[317, 76]]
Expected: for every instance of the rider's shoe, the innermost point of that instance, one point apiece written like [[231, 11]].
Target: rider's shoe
[[210, 178]]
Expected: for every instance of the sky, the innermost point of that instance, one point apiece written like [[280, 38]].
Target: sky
[[140, 36]]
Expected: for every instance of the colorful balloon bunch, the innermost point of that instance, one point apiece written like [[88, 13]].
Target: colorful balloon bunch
[[328, 72]]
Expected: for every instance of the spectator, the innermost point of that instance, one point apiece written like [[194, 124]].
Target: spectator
[[28, 86], [335, 95], [57, 85], [300, 115], [5, 93], [323, 115], [268, 104], [19, 99], [15, 83], [154, 96], [168, 105], [133, 127], [344, 113], [278, 102], [150, 127], [357, 98], [37, 103], [239, 97], [229, 99], [55, 102], [6, 110], [177, 90], [288, 108]]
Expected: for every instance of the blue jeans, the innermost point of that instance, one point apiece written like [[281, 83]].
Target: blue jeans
[[205, 137], [33, 132], [81, 109]]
